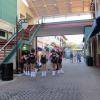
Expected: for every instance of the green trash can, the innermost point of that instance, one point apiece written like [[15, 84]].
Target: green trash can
[[7, 71]]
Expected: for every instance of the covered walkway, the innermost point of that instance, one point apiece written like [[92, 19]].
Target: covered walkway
[[79, 82]]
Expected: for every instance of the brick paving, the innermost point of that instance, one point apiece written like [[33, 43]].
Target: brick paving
[[79, 82]]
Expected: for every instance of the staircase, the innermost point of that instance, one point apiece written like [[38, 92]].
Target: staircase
[[6, 50], [8, 47], [29, 32]]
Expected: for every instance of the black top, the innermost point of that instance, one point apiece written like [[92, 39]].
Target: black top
[[32, 58], [54, 58], [26, 59], [43, 59]]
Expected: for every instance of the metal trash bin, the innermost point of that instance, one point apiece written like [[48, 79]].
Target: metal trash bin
[[89, 61], [7, 71]]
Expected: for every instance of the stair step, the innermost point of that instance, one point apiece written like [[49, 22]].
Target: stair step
[[2, 57], [7, 45], [7, 49], [2, 52]]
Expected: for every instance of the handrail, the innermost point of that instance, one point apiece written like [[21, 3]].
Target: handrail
[[34, 33], [31, 28], [7, 43], [20, 42], [36, 28], [9, 40], [15, 36], [11, 53]]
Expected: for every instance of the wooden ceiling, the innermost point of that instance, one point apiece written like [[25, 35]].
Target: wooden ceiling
[[49, 8]]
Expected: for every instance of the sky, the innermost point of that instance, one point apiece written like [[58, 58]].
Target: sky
[[77, 39]]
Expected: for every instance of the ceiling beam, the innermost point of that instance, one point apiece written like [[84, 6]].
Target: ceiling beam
[[31, 6], [45, 6]]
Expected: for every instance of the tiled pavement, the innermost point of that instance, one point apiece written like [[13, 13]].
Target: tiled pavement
[[79, 82]]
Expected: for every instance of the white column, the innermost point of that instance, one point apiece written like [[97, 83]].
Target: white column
[[18, 9]]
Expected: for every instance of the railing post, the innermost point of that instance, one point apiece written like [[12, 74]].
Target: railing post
[[4, 52], [17, 63], [36, 46], [20, 23]]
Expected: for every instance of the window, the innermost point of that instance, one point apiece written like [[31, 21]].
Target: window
[[2, 33]]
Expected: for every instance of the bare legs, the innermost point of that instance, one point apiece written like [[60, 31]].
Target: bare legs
[[54, 65], [43, 69], [33, 73]]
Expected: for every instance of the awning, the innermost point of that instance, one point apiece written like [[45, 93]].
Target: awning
[[96, 29]]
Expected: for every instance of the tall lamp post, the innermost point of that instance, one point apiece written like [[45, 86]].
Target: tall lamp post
[[20, 24]]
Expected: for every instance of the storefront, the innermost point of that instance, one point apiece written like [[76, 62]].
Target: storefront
[[95, 42]]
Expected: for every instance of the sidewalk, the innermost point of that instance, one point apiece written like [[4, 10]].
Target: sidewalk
[[79, 82]]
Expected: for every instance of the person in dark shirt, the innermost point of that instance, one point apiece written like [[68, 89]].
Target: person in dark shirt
[[71, 57], [32, 63], [26, 64], [78, 55], [59, 62], [22, 63], [54, 62], [43, 61]]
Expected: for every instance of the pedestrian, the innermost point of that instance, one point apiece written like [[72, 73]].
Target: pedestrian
[[26, 63], [59, 62], [78, 55], [54, 62], [33, 63], [43, 61], [71, 57], [22, 62]]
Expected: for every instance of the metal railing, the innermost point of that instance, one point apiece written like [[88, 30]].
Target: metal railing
[[8, 47]]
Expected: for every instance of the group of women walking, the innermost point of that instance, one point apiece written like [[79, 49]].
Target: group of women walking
[[30, 62]]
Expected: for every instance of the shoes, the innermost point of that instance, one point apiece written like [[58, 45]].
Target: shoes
[[36, 70], [28, 73], [53, 73], [33, 74], [61, 71], [25, 72], [58, 71], [43, 73]]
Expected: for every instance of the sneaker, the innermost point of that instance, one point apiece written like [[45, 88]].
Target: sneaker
[[33, 74], [53, 73], [36, 70], [24, 72], [58, 71], [61, 71], [43, 73], [28, 73]]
